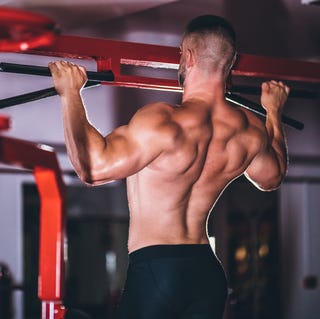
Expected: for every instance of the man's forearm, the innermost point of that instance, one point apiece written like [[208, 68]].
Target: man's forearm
[[277, 140], [83, 141]]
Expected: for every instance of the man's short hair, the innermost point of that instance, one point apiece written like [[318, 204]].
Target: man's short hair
[[212, 23], [214, 41]]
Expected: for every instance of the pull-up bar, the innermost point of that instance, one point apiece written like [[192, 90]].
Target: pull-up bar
[[95, 78], [44, 71]]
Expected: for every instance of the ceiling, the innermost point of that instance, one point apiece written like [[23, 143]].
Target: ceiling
[[74, 14]]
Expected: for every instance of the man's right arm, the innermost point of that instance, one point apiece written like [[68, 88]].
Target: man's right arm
[[268, 168], [123, 152]]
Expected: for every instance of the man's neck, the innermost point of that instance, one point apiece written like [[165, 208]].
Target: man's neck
[[205, 88]]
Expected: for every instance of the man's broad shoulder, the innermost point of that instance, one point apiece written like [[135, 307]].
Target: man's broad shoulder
[[154, 115], [255, 133], [156, 108], [156, 120]]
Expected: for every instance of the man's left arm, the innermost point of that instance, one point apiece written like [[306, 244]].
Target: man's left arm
[[269, 166]]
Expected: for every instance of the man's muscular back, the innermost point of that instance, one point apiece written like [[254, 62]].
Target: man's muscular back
[[207, 147], [177, 160]]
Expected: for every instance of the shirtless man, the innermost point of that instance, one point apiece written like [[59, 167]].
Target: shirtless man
[[177, 161]]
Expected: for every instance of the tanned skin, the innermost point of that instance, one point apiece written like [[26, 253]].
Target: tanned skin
[[177, 159]]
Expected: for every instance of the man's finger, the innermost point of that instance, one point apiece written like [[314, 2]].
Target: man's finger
[[53, 67], [83, 70], [266, 86], [287, 89]]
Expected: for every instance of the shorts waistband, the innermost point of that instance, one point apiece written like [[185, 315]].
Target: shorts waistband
[[170, 251]]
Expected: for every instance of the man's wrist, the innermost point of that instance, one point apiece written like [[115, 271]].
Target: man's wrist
[[70, 95], [274, 114]]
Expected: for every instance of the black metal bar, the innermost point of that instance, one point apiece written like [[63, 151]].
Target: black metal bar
[[233, 98], [294, 93], [257, 108], [105, 76], [36, 95]]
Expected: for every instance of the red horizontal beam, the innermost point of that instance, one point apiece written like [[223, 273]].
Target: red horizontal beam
[[111, 55], [277, 68], [96, 48]]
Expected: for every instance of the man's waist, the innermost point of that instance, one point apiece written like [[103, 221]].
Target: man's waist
[[170, 251]]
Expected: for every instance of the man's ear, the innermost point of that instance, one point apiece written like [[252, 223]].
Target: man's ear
[[235, 57], [190, 58]]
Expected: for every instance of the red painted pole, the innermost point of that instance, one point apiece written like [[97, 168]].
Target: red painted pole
[[43, 161]]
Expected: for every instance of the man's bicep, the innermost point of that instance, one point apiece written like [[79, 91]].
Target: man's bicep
[[264, 171], [132, 147], [124, 154]]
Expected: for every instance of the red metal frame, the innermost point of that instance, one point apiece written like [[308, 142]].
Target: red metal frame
[[111, 55], [43, 161], [26, 30], [4, 123]]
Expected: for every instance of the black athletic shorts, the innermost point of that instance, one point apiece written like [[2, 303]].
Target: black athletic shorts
[[173, 282]]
